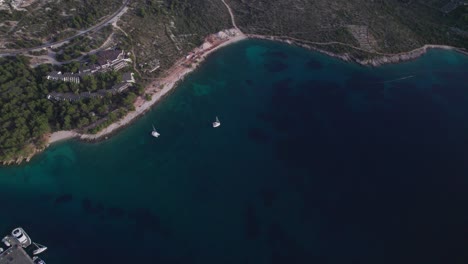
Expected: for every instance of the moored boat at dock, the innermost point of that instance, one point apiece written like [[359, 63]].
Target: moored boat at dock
[[38, 260], [22, 237], [39, 249], [19, 248]]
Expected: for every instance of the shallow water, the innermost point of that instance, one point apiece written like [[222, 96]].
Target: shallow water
[[316, 161]]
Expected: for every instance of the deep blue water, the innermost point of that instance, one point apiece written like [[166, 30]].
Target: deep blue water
[[316, 161]]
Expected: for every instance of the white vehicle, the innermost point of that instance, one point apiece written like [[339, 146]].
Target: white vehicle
[[216, 123], [22, 237]]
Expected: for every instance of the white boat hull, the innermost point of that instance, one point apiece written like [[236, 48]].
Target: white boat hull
[[22, 237], [40, 249]]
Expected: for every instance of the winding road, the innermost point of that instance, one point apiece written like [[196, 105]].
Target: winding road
[[233, 19], [122, 9]]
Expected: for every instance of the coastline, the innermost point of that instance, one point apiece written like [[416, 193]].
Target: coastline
[[61, 135], [184, 66], [159, 88], [381, 59]]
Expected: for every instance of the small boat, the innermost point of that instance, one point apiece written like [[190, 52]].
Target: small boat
[[40, 249], [22, 237], [6, 242], [37, 260], [216, 123], [154, 133]]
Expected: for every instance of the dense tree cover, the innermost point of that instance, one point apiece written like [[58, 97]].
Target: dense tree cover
[[24, 110], [89, 13], [460, 17], [83, 44], [89, 83], [6, 15], [26, 115], [23, 43], [396, 25]]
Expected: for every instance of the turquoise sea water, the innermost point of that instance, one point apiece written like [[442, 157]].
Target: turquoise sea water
[[316, 161]]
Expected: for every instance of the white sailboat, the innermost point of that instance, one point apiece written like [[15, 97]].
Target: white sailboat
[[216, 123], [154, 133], [40, 249]]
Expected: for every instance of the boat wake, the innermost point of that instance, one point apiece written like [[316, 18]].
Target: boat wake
[[399, 79]]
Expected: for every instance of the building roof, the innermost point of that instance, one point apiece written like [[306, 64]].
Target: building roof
[[89, 68], [58, 74], [108, 55], [128, 77], [119, 87], [55, 74]]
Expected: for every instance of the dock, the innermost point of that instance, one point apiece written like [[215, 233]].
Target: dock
[[15, 254], [12, 251]]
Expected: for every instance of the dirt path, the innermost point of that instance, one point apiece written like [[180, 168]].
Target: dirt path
[[233, 18], [133, 50]]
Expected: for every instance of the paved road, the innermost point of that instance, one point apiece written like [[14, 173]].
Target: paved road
[[98, 26]]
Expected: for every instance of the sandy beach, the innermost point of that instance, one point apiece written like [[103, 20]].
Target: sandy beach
[[162, 86], [61, 135]]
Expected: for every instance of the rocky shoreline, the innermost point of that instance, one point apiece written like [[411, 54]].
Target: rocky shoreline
[[407, 56], [21, 159], [381, 59]]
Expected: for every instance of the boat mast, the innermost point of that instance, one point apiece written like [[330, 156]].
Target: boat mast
[[40, 248]]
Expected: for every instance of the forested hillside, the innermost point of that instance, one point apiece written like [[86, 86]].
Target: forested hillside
[[157, 33], [24, 110], [385, 26], [167, 30], [26, 115]]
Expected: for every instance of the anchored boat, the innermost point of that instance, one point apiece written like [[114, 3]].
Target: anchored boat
[[155, 133], [216, 123]]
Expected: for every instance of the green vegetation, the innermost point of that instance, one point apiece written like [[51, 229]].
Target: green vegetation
[[396, 25], [79, 46], [26, 115], [24, 110], [89, 83], [51, 20], [459, 17], [164, 31]]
